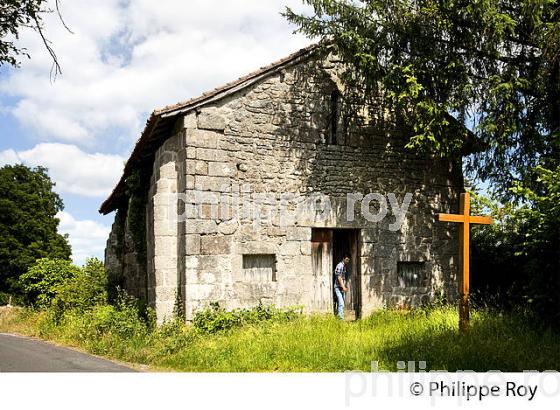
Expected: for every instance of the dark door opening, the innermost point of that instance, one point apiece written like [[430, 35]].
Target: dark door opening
[[328, 249]]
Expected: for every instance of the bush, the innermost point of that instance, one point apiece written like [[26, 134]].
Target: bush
[[87, 288], [40, 283], [216, 319]]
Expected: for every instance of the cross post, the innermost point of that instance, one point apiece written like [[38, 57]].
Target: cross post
[[465, 219]]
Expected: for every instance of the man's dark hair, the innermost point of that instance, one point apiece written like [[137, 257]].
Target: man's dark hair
[[346, 255]]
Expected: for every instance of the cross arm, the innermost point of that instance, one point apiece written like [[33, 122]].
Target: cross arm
[[451, 218], [484, 220]]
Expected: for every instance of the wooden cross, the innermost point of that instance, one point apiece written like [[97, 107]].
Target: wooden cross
[[465, 219]]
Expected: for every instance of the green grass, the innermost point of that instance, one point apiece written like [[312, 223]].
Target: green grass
[[505, 342]]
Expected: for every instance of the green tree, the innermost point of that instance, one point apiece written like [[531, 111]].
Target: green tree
[[517, 260], [28, 223], [492, 64]]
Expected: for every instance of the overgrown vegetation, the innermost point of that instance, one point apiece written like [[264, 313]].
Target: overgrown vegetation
[[72, 308], [215, 319], [293, 342], [517, 260]]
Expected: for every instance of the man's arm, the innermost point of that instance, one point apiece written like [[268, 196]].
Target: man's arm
[[341, 283], [339, 272]]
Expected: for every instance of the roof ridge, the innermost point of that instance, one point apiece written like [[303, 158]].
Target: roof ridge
[[207, 94]]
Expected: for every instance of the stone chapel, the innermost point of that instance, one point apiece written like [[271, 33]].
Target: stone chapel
[[185, 232]]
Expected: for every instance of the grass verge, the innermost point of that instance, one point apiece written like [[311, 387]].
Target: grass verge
[[297, 343]]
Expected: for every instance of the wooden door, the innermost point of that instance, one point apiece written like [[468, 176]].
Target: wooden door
[[321, 253]]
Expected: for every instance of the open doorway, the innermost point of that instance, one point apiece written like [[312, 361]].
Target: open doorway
[[328, 248]]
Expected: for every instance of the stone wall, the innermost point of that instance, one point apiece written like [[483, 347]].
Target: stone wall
[[121, 259]]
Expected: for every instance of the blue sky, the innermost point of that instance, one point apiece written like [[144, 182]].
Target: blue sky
[[124, 59]]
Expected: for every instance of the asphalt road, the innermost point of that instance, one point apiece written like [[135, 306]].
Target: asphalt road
[[23, 354]]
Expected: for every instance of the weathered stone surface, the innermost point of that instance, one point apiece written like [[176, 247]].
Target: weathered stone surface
[[192, 244], [222, 169], [215, 245], [214, 184], [201, 138], [189, 120], [211, 120]]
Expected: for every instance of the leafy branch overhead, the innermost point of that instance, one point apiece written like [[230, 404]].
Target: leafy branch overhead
[[492, 64], [16, 15]]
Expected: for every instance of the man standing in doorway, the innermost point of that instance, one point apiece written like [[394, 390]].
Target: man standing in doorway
[[340, 275]]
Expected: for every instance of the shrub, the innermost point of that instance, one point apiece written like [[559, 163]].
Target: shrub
[[87, 288], [215, 318], [39, 284]]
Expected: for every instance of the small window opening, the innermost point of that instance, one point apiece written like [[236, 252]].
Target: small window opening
[[412, 274], [334, 117], [260, 268]]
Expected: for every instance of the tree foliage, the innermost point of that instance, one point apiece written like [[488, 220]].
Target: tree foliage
[[16, 15], [41, 282], [28, 223], [492, 64], [83, 290], [517, 259]]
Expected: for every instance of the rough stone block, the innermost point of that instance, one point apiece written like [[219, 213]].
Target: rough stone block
[[166, 277], [215, 184], [298, 233], [258, 247], [222, 169], [305, 248], [201, 138], [189, 181], [190, 152], [189, 120], [165, 245], [196, 167], [168, 171], [165, 262], [165, 228], [209, 154], [192, 244], [228, 227], [291, 248], [207, 226], [211, 120], [275, 231], [215, 245]]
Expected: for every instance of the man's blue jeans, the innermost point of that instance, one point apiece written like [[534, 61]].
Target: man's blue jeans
[[339, 300]]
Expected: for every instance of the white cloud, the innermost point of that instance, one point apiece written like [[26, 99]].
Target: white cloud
[[127, 58], [9, 157], [86, 237], [73, 170]]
